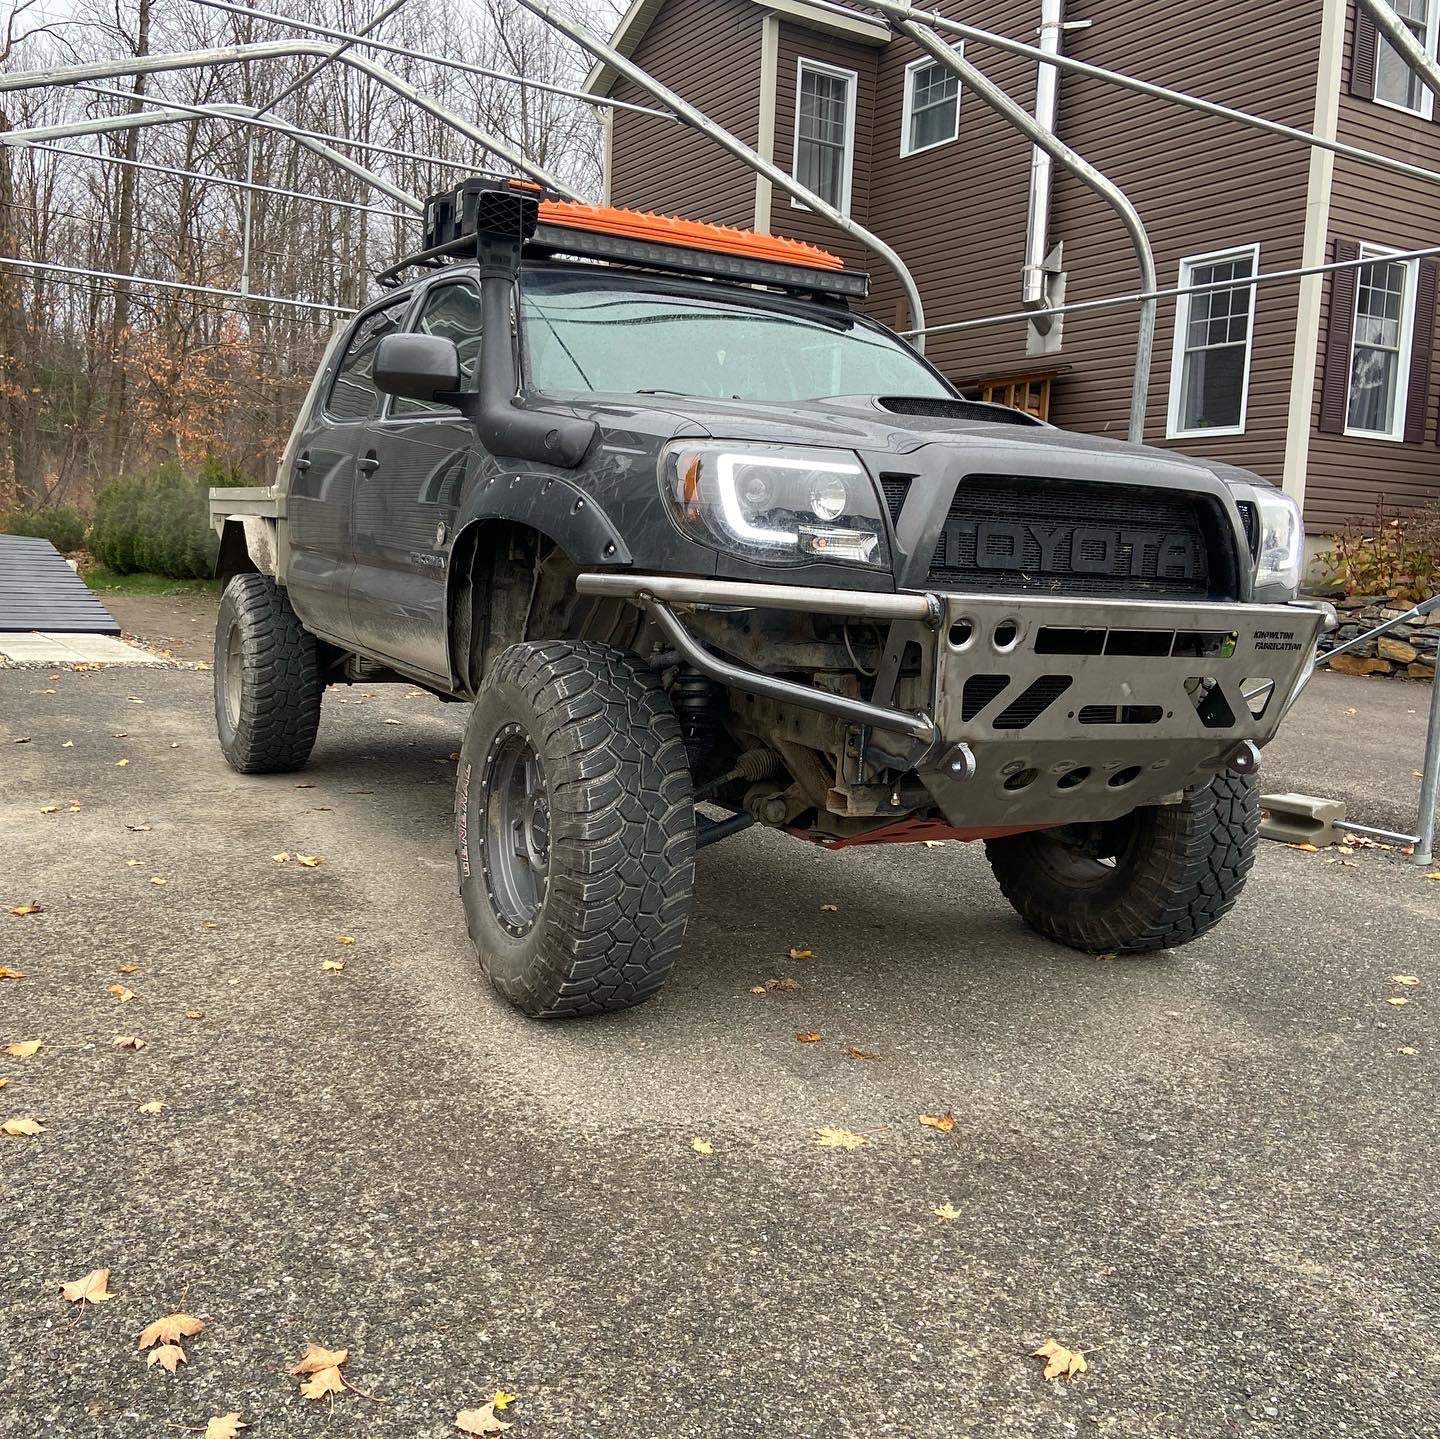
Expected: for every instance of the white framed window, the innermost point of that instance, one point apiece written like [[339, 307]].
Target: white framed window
[[1396, 84], [825, 132], [932, 106], [1210, 369], [1380, 345]]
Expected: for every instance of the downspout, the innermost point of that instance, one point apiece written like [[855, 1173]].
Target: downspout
[[1042, 172]]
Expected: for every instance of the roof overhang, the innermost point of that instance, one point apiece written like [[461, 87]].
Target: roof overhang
[[641, 15]]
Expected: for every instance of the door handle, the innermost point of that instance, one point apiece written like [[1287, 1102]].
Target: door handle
[[370, 463], [303, 463]]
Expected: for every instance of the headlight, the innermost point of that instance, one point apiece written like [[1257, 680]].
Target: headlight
[[1282, 541], [778, 506]]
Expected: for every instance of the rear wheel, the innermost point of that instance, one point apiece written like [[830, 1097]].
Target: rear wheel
[[268, 685], [1157, 878], [575, 829]]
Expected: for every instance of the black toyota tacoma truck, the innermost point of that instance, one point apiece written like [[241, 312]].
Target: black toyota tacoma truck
[[686, 531]]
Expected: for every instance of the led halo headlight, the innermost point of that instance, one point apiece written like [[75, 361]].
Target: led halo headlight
[[1281, 552], [775, 504]]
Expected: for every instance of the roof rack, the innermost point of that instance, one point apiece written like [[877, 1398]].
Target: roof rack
[[552, 225]]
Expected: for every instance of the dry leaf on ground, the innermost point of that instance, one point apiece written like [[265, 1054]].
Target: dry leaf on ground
[[945, 1212], [801, 953], [854, 1051], [333, 965], [94, 1288], [282, 858], [344, 939], [169, 1329], [830, 908], [121, 993], [326, 1381], [128, 1041], [1407, 1049], [1060, 1362], [809, 1036], [194, 1014], [7, 973], [702, 1146], [168, 1357], [153, 1106], [317, 1358], [35, 907], [310, 861], [22, 1127], [943, 1122], [49, 808], [24, 1048], [481, 1421], [503, 1399], [121, 763], [1398, 978], [158, 879], [224, 1426], [830, 1136], [1398, 999], [127, 969], [789, 986], [4, 1080]]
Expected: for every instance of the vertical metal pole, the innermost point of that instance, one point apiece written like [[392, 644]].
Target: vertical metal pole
[[1429, 782], [249, 212]]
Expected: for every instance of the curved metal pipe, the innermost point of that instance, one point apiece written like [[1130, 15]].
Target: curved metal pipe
[[272, 50], [698, 120], [993, 96]]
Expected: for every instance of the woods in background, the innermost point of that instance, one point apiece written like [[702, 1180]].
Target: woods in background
[[100, 377]]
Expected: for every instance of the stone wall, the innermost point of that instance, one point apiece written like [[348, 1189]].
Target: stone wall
[[1408, 649]]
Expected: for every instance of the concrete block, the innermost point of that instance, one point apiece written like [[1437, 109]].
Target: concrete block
[[1300, 819]]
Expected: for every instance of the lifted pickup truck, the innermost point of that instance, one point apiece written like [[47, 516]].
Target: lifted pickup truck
[[686, 530]]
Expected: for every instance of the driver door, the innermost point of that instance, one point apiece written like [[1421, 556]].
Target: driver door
[[413, 466]]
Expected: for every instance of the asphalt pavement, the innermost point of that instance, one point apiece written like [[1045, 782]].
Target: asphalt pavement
[[1213, 1171]]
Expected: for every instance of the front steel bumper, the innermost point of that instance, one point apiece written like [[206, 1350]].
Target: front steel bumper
[[1043, 710]]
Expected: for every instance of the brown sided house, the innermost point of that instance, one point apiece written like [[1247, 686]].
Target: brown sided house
[[1324, 385]]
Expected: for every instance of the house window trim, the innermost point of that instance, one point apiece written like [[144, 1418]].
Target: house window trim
[[1369, 250], [852, 78], [1188, 265], [1432, 48], [908, 109]]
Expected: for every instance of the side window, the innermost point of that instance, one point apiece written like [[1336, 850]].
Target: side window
[[932, 106], [824, 132], [452, 311], [1395, 82], [1210, 371], [353, 395]]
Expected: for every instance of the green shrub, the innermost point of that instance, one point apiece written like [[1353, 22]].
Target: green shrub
[[157, 522], [62, 525], [1396, 555]]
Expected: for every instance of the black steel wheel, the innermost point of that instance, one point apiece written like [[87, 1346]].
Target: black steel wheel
[[575, 829], [1155, 879], [268, 685]]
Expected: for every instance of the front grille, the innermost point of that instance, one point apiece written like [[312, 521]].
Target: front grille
[[1073, 537]]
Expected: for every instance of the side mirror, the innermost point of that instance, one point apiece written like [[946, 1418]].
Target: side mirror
[[418, 367]]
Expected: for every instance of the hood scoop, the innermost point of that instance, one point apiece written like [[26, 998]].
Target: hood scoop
[[941, 409]]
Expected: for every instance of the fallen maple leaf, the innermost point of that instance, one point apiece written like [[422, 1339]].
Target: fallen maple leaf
[[943, 1122], [282, 858], [23, 1127], [830, 908], [1407, 1049], [334, 965], [831, 1137], [49, 808], [854, 1051], [128, 1041], [344, 939], [702, 1146], [7, 973], [127, 969], [326, 1381], [35, 907], [121, 993], [94, 1288], [1398, 978], [481, 1421], [194, 1014], [945, 1212], [1434, 875], [224, 1426], [1398, 999], [809, 1036], [801, 953], [757, 989], [4, 1080], [317, 1358], [156, 879], [310, 861], [24, 1048], [153, 1106], [789, 986], [1060, 1362], [170, 1329], [168, 1357], [121, 763], [1308, 848], [503, 1399]]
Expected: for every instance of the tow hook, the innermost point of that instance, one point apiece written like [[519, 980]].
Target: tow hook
[[959, 762], [1244, 758]]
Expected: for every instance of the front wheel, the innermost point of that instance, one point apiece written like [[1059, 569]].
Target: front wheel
[[575, 829], [1157, 878]]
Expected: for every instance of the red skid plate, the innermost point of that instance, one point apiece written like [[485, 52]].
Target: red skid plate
[[912, 831]]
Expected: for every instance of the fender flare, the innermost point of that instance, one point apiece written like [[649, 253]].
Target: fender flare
[[556, 508]]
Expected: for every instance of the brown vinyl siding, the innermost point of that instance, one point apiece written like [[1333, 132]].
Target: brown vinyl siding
[[1349, 474], [710, 53]]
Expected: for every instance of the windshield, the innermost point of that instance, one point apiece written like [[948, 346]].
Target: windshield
[[584, 336]]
